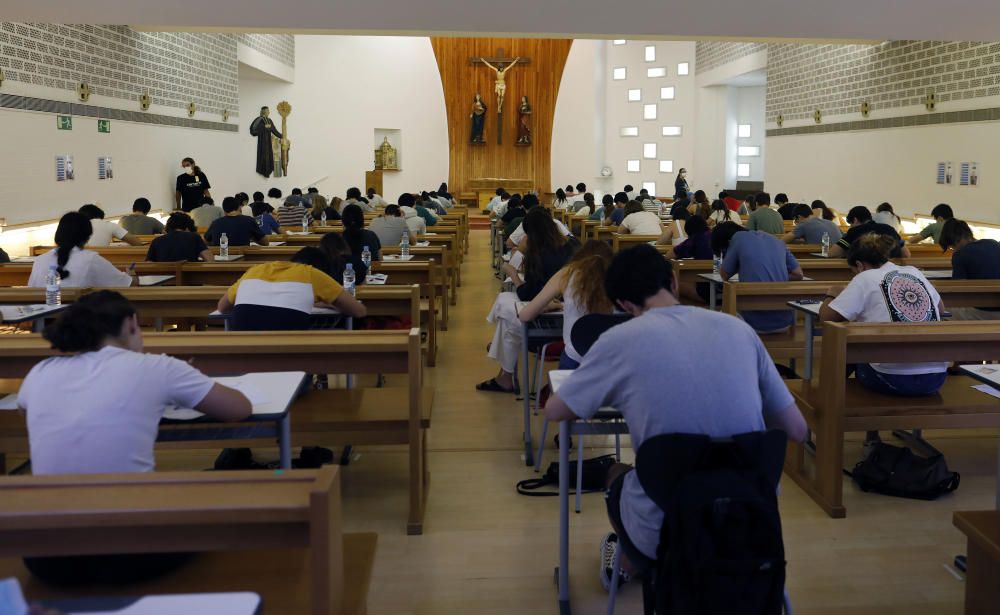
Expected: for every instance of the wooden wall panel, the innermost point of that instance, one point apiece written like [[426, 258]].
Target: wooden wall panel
[[461, 80]]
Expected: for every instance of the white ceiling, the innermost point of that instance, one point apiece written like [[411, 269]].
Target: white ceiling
[[871, 20], [752, 79]]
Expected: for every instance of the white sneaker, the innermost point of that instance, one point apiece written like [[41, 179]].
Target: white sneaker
[[609, 547]]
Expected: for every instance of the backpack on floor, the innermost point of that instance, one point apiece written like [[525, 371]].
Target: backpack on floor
[[721, 547], [595, 471], [896, 471]]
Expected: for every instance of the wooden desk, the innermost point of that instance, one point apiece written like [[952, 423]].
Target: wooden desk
[[982, 589], [192, 511]]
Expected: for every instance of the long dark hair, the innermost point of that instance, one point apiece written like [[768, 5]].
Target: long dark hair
[[180, 221], [74, 231], [608, 202], [336, 249], [543, 238], [728, 214], [560, 196], [354, 227], [86, 323], [588, 198]]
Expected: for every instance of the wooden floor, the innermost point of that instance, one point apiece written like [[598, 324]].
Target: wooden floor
[[487, 550]]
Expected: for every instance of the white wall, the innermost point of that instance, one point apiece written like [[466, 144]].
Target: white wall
[[897, 165], [344, 88], [750, 108], [576, 150]]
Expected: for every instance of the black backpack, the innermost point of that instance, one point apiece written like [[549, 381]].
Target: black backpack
[[721, 549], [892, 470]]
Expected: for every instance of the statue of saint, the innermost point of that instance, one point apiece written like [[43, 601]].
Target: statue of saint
[[262, 127], [523, 129], [500, 87], [478, 120]]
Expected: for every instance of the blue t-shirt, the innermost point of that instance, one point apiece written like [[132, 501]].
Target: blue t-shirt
[[675, 397], [761, 257], [268, 224], [618, 215]]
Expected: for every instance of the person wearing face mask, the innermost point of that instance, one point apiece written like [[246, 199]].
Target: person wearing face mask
[[192, 186], [681, 188]]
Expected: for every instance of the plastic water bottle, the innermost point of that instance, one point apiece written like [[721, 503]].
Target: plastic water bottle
[[322, 219], [404, 245], [716, 264], [366, 257], [305, 222], [224, 246], [53, 282], [349, 279], [826, 244]]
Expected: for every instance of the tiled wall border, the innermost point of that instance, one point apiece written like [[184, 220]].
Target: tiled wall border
[[25, 103], [906, 121]]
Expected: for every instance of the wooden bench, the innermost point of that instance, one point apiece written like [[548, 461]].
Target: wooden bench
[[294, 517], [620, 241], [982, 529], [323, 352], [823, 269], [835, 405]]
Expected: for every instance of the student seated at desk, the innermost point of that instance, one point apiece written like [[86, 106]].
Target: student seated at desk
[[757, 256], [263, 214], [78, 268], [280, 296], [860, 219], [604, 211], [885, 215], [239, 229], [391, 226], [206, 213], [697, 246], [621, 201], [588, 208], [98, 410], [616, 373], [139, 222], [546, 251], [941, 214], [181, 242], [638, 221], [560, 202], [699, 205], [581, 285], [516, 237], [810, 228], [104, 232], [357, 236], [721, 213], [883, 291], [974, 259], [340, 255], [515, 209]]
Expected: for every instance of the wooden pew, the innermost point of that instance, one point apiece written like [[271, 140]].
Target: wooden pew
[[323, 352], [834, 405], [621, 241], [982, 529], [825, 269], [313, 566]]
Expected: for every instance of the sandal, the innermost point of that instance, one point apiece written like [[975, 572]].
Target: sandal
[[492, 385]]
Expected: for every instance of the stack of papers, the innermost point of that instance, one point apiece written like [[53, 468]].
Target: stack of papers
[[376, 279]]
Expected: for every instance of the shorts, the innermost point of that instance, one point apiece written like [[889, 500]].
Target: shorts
[[613, 498]]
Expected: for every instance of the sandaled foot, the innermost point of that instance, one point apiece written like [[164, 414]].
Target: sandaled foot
[[492, 385]]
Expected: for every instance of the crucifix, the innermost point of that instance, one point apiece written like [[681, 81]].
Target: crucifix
[[500, 65]]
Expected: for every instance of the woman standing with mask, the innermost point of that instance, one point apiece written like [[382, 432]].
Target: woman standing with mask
[[681, 188], [192, 186]]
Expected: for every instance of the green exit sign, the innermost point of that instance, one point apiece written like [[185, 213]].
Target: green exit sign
[[64, 122], [103, 125]]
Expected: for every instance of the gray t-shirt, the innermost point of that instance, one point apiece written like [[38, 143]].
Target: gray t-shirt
[[811, 229], [389, 229], [205, 215], [761, 257], [139, 224], [767, 220], [661, 390]]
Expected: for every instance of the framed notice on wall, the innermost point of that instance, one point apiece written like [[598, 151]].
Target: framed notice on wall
[[64, 168], [963, 174], [944, 173], [973, 173], [104, 170]]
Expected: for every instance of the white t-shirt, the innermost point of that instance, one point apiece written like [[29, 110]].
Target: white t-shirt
[[86, 268], [720, 216], [519, 233], [891, 294], [99, 411], [246, 211], [104, 232], [643, 223], [417, 224]]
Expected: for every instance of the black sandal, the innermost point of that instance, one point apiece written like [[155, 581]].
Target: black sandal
[[493, 386]]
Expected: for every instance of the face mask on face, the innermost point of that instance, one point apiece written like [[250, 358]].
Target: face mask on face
[[188, 170]]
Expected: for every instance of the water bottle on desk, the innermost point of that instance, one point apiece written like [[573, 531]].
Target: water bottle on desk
[[53, 283], [366, 257], [322, 219], [716, 264], [404, 246], [224, 246], [349, 279], [305, 222], [826, 244]]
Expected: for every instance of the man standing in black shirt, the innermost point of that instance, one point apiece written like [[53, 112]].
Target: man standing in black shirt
[[239, 229], [860, 219], [192, 186]]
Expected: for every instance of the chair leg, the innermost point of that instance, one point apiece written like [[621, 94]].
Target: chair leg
[[541, 446], [539, 375], [618, 447], [615, 572]]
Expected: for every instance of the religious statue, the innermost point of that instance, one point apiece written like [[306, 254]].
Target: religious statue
[[523, 129], [501, 85], [478, 120], [263, 128], [385, 156]]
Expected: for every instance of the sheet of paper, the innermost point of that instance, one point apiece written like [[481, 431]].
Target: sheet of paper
[[11, 597], [516, 259], [397, 257], [8, 402], [19, 312], [376, 279], [423, 244], [985, 388], [245, 385]]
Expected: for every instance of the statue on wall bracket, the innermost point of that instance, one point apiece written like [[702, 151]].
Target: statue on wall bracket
[[524, 122], [263, 128], [478, 118]]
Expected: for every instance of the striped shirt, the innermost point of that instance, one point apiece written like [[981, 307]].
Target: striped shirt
[[284, 284], [292, 215]]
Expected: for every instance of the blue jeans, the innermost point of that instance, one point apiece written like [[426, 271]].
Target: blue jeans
[[899, 384], [565, 362]]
